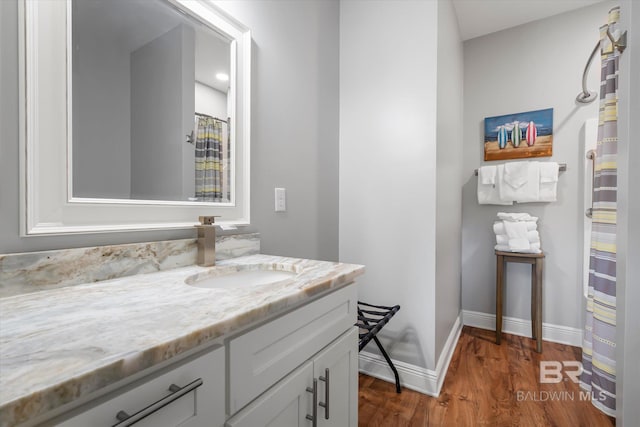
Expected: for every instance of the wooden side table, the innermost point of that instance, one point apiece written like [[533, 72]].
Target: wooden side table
[[536, 261]]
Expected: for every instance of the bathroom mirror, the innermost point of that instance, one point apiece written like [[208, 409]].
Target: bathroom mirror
[[135, 115]]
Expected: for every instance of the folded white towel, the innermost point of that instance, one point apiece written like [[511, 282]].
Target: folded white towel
[[516, 174], [534, 248], [548, 181], [532, 236], [517, 216], [498, 227], [489, 194], [487, 174], [520, 182], [517, 232], [530, 192]]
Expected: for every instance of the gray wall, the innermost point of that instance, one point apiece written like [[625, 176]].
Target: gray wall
[[294, 139], [162, 101], [449, 149], [101, 111], [628, 268], [388, 88], [500, 78], [294, 132]]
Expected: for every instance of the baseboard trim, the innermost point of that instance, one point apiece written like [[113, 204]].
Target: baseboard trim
[[522, 327], [427, 381]]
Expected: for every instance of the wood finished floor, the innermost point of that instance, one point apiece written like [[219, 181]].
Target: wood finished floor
[[481, 389]]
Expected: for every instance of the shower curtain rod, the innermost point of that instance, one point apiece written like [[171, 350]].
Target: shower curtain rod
[[211, 117], [587, 96], [561, 168]]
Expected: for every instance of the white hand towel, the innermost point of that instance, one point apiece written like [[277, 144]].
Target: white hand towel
[[487, 174], [548, 181], [516, 216], [530, 192], [502, 239], [533, 249], [517, 232], [498, 227], [488, 192]]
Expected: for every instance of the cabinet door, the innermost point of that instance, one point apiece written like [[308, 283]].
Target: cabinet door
[[336, 367], [284, 405]]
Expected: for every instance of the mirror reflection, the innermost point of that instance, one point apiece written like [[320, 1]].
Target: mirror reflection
[[151, 107]]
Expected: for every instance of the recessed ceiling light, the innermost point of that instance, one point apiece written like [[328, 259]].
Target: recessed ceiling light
[[222, 77]]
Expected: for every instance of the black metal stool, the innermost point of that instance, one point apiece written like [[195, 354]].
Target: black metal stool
[[371, 319]]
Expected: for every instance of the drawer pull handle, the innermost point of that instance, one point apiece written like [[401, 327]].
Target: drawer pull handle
[[325, 404], [314, 418], [176, 393]]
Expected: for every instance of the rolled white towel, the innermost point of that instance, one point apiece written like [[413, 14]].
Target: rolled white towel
[[516, 216], [498, 227]]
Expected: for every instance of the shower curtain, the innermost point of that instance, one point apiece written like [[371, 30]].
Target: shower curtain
[[599, 346], [211, 161]]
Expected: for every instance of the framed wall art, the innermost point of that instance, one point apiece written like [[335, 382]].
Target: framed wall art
[[519, 135]]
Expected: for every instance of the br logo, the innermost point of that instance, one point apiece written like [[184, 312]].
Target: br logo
[[551, 371]]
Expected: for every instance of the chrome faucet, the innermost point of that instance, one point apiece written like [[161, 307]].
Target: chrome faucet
[[206, 241]]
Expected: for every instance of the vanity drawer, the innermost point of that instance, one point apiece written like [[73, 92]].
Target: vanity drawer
[[262, 356], [194, 406]]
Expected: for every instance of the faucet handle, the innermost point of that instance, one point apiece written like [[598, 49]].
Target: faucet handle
[[208, 220]]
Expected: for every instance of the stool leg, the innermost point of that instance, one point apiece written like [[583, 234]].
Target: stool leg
[[539, 262], [534, 305], [499, 284]]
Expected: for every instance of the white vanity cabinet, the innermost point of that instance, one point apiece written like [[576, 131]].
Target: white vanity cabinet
[[319, 338], [188, 394], [306, 398]]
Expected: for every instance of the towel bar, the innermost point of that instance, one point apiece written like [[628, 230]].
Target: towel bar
[[562, 167]]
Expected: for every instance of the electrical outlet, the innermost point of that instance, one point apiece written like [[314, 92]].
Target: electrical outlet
[[281, 199]]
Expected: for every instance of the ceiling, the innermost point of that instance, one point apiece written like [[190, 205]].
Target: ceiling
[[479, 17]]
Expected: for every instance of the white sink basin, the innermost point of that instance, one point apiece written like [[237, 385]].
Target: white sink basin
[[240, 278]]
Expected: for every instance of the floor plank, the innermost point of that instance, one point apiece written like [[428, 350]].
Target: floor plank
[[486, 385]]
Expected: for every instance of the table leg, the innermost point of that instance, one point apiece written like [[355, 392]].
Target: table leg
[[499, 284], [533, 300], [539, 264]]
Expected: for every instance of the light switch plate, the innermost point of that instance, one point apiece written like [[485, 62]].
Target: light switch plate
[[281, 199]]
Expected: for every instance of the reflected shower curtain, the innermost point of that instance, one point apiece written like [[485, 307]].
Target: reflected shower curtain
[[212, 180], [599, 346]]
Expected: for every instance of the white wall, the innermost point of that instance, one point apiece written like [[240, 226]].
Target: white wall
[[628, 244], [388, 87], [101, 111], [294, 132], [498, 81], [210, 101], [449, 173]]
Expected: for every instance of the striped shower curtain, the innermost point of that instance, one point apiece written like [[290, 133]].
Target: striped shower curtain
[[211, 161], [599, 346]]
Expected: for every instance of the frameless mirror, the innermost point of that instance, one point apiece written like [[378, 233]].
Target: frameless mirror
[[135, 115], [151, 114]]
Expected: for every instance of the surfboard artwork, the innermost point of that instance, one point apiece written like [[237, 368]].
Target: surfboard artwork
[[503, 137], [516, 134], [531, 134], [519, 135]]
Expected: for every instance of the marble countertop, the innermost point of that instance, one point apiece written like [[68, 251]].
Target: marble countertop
[[59, 345]]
